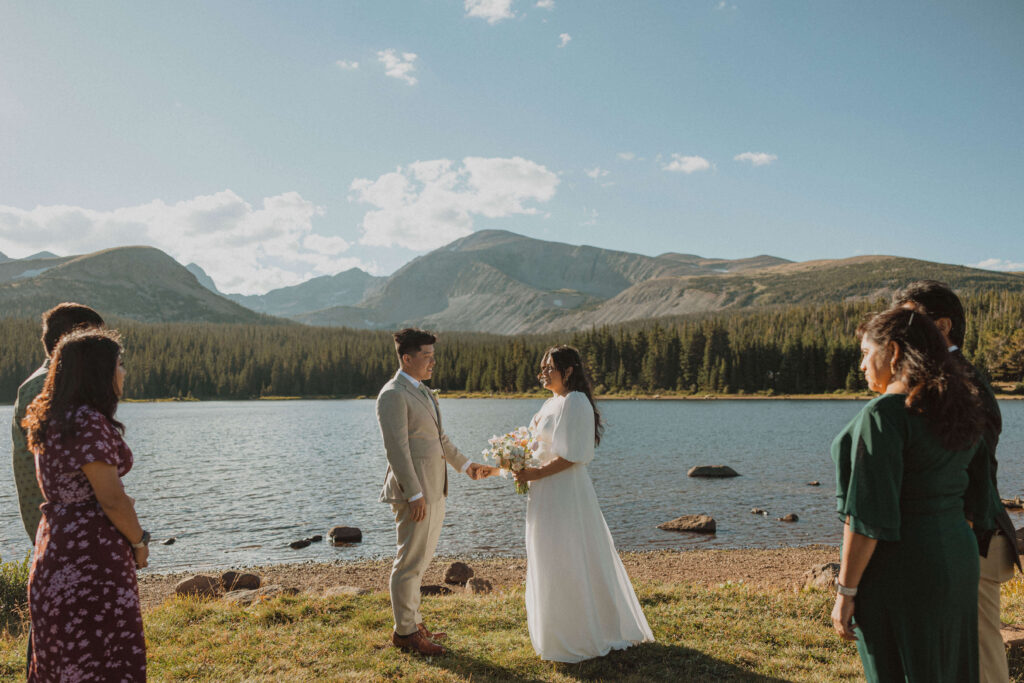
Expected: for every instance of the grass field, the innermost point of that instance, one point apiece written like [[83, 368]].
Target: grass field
[[728, 632]]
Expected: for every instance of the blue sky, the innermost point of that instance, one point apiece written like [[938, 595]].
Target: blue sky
[[272, 142]]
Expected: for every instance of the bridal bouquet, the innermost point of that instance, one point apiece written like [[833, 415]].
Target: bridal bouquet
[[512, 452]]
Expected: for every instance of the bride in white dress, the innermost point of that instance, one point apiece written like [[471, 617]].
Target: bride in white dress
[[579, 601]]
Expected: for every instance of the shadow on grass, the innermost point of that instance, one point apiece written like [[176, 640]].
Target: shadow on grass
[[646, 662], [1015, 658]]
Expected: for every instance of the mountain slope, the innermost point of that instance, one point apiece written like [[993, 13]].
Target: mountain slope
[[141, 283], [500, 282], [14, 269], [505, 283], [858, 278], [347, 288]]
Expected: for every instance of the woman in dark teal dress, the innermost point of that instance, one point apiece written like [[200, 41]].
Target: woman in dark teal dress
[[908, 580]]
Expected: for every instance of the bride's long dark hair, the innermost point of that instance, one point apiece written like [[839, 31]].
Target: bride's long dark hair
[[565, 358], [939, 382]]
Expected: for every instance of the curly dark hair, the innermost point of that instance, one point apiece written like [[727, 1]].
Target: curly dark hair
[[939, 383], [81, 373], [565, 358]]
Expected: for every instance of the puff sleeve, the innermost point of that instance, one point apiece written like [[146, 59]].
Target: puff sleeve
[[95, 440], [573, 435]]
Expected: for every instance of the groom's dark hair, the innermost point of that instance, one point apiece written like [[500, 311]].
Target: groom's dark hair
[[411, 339], [936, 300]]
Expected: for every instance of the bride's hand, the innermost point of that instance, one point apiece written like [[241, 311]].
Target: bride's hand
[[527, 474]]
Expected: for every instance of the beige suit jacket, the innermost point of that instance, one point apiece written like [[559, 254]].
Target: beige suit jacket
[[415, 443]]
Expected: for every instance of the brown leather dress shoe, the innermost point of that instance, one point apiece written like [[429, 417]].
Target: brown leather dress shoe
[[416, 642], [430, 636]]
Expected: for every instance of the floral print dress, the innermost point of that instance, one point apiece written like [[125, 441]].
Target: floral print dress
[[82, 590]]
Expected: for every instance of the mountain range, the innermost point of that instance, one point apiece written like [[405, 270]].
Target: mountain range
[[492, 281], [141, 283]]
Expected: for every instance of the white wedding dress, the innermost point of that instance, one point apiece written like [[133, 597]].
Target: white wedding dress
[[579, 601]]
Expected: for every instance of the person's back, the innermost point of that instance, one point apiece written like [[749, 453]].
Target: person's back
[[994, 530], [57, 322], [22, 460], [909, 568]]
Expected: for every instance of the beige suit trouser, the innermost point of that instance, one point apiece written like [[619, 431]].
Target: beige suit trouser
[[996, 568], [416, 544]]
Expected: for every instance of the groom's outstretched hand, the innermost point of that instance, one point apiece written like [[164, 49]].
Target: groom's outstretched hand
[[418, 509], [477, 471]]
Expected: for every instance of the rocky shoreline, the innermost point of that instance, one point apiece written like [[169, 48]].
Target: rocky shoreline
[[780, 568]]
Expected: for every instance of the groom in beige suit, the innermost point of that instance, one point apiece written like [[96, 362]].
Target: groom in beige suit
[[416, 484]]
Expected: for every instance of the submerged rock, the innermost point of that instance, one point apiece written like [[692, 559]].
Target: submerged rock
[[701, 524], [345, 534], [715, 471], [297, 545], [789, 518]]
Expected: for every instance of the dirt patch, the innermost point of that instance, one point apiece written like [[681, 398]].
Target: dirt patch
[[764, 568]]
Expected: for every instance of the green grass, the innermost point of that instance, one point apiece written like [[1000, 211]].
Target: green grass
[[13, 594], [731, 632]]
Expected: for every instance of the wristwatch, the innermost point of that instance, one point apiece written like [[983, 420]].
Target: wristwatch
[[144, 541]]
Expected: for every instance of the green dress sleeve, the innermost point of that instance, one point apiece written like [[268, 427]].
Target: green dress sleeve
[[869, 469]]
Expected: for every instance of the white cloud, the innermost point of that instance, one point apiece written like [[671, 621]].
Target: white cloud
[[756, 158], [685, 164], [591, 215], [398, 66], [545, 4], [244, 248], [347, 66], [430, 203], [626, 156], [491, 10], [723, 5], [563, 39], [999, 264], [596, 172]]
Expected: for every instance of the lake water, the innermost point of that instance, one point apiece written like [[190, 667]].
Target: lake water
[[236, 482]]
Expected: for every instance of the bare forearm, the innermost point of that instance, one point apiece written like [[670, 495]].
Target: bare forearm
[[121, 512], [554, 467], [857, 552]]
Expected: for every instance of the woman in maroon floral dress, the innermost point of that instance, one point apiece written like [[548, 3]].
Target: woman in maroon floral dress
[[82, 591]]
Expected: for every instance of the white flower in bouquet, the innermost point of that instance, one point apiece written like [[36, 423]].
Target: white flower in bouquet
[[513, 452]]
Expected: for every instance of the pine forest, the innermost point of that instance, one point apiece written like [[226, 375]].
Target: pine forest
[[779, 351]]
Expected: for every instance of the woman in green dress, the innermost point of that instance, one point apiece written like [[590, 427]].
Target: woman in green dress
[[908, 579]]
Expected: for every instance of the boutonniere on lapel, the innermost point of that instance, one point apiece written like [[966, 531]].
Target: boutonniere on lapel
[[435, 392]]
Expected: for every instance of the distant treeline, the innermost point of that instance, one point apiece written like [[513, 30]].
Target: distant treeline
[[787, 350]]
